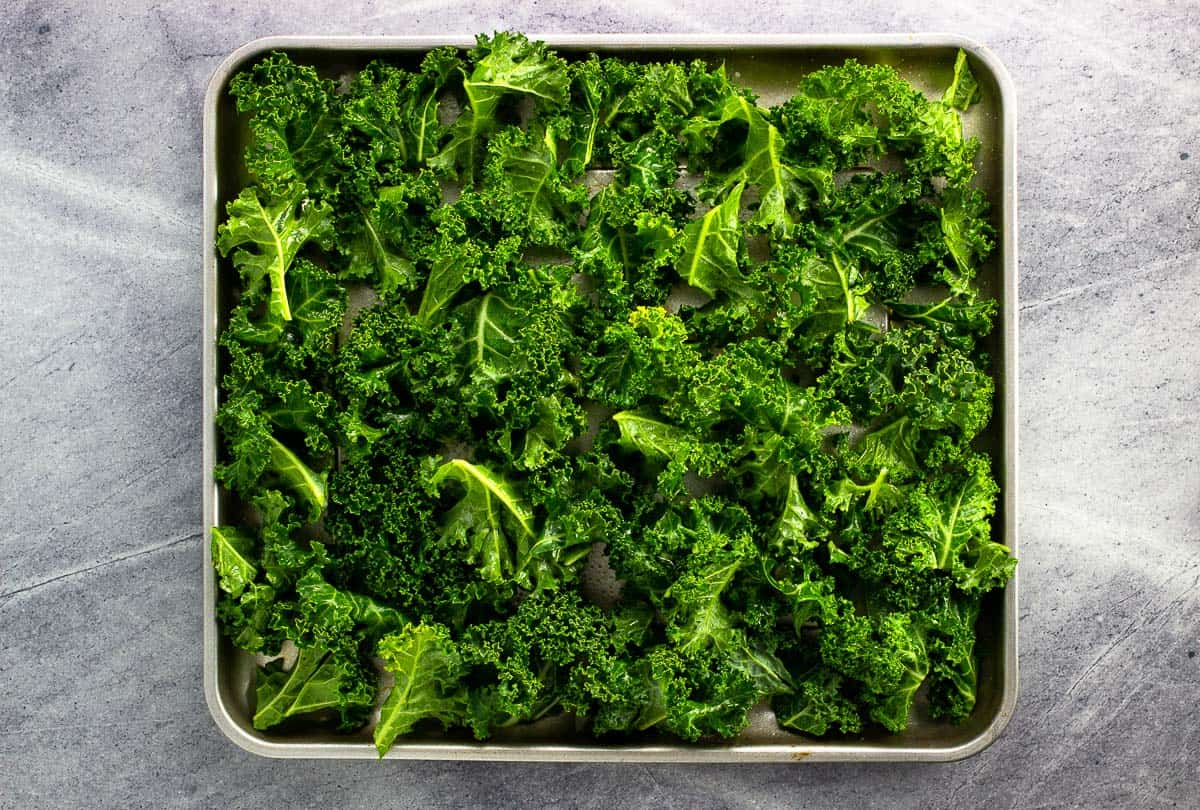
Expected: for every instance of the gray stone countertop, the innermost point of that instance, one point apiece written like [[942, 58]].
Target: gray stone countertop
[[100, 552]]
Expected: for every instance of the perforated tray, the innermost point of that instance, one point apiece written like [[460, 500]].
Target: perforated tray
[[771, 66]]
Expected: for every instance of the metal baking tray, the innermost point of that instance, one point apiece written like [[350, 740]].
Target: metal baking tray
[[769, 64]]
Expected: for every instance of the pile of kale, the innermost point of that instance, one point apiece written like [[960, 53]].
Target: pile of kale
[[564, 345]]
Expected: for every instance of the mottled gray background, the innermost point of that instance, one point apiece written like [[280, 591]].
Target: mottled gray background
[[100, 694]]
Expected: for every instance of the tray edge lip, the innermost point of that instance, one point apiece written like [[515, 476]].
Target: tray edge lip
[[549, 752]]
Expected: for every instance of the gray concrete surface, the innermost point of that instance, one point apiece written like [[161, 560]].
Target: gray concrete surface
[[100, 695]]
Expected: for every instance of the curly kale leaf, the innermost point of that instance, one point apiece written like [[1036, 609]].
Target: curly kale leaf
[[317, 680], [233, 557], [757, 159], [380, 240], [294, 124], [966, 232], [838, 294], [329, 616], [392, 114], [958, 319], [886, 653], [695, 613], [523, 182], [712, 244], [912, 373], [490, 522], [818, 705], [630, 244], [317, 303], [850, 114], [963, 90], [427, 668], [648, 356], [950, 639], [947, 524], [265, 236], [501, 67], [256, 454], [555, 652]]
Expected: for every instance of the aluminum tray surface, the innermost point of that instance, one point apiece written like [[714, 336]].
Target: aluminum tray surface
[[770, 65]]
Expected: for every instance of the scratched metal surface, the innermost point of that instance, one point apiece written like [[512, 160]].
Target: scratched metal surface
[[100, 422]]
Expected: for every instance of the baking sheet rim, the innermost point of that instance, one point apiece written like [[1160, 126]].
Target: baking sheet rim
[[803, 749]]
